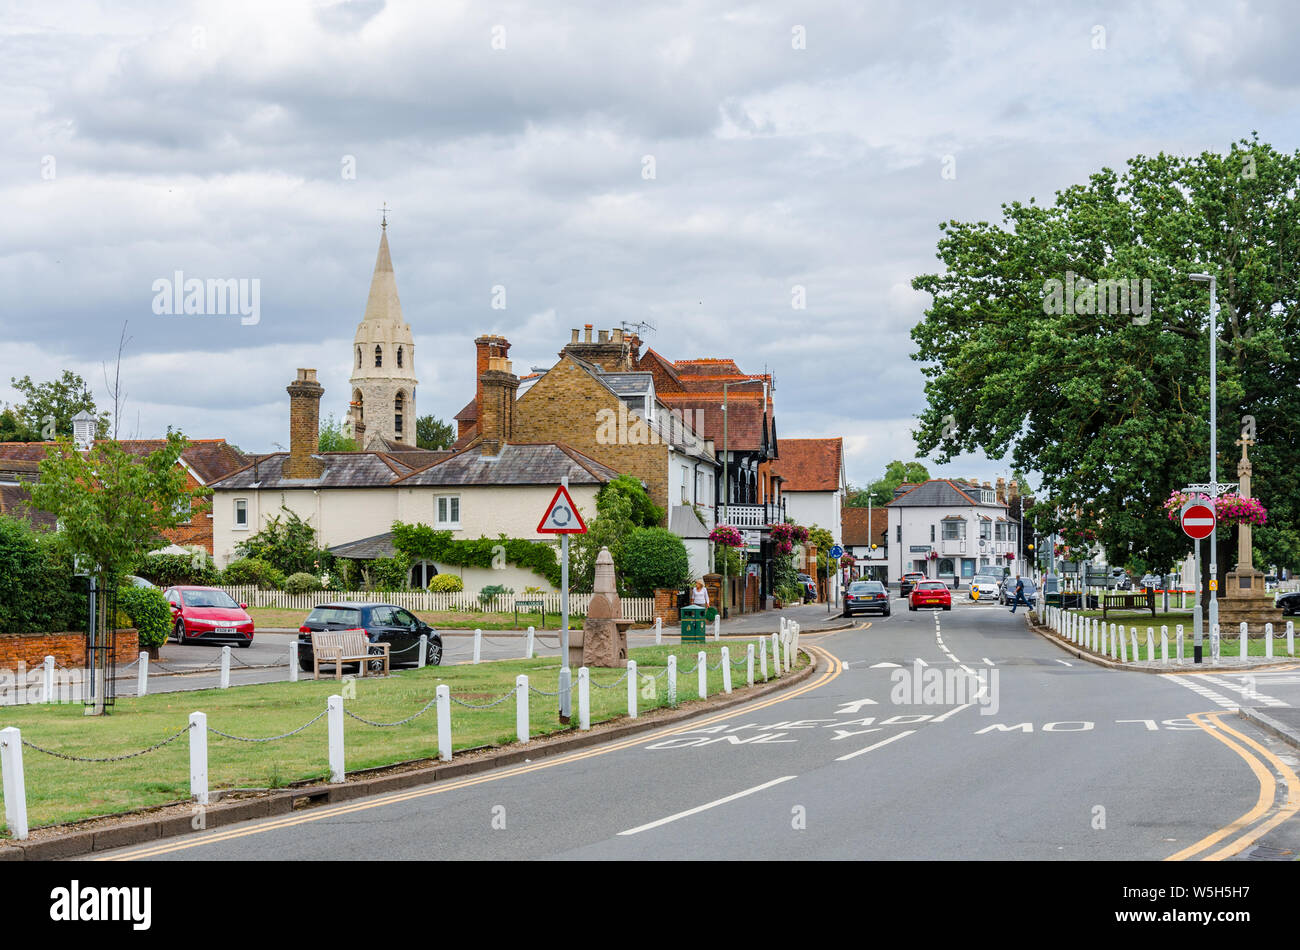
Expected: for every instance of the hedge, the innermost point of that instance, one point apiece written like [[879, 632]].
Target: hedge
[[419, 542], [148, 611]]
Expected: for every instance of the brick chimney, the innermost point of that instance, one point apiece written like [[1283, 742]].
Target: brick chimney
[[1002, 490], [486, 348], [304, 426], [496, 407], [612, 350]]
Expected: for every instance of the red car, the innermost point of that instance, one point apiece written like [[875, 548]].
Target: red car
[[930, 594], [208, 615]]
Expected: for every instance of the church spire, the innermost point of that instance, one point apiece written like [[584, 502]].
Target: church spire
[[383, 304]]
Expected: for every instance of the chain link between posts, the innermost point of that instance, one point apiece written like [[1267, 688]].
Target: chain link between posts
[[285, 735], [111, 758], [496, 702], [401, 722], [609, 685]]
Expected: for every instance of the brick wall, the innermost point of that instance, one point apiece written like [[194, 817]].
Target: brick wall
[[666, 606], [562, 406], [713, 584], [68, 649]]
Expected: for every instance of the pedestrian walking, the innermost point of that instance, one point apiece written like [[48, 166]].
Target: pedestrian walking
[[1020, 594], [700, 594]]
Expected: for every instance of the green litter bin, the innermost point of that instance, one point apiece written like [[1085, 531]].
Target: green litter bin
[[693, 624]]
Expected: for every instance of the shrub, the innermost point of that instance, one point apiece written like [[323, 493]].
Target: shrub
[[252, 570], [148, 611], [36, 583], [491, 592], [302, 583], [167, 570], [654, 557], [446, 584], [389, 573]]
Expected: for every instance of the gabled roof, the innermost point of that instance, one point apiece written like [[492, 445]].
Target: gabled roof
[[469, 413], [209, 459], [853, 526], [367, 549], [939, 493], [518, 463], [810, 464], [744, 428], [342, 470]]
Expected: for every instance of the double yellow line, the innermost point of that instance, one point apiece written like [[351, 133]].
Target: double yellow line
[[833, 669], [1250, 832]]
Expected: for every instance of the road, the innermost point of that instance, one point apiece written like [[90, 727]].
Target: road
[[949, 735]]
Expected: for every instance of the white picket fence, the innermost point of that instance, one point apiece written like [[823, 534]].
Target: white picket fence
[[640, 609]]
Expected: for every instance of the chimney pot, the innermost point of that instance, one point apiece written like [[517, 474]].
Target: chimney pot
[[618, 334], [575, 335], [586, 332], [603, 336]]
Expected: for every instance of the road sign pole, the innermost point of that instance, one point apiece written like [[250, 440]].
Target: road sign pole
[[565, 711], [1196, 611]]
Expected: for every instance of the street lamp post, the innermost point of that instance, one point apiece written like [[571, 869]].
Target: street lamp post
[[1214, 452], [726, 492]]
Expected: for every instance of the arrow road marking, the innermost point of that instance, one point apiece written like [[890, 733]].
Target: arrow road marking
[[846, 708], [700, 808], [881, 666]]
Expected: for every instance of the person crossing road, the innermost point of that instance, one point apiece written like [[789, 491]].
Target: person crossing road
[[1020, 594]]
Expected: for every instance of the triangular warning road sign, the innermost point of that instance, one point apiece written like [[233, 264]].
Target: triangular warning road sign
[[562, 516]]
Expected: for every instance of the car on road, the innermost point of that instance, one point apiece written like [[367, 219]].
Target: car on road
[[985, 586], [930, 594], [382, 623], [208, 615], [1007, 594], [1152, 582], [865, 596], [809, 588], [1289, 602], [908, 581]]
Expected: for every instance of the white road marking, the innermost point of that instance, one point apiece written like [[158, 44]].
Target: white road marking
[[880, 666], [950, 712], [697, 810], [1200, 690], [1064, 663], [876, 746], [921, 662], [1247, 691], [846, 708], [988, 662]]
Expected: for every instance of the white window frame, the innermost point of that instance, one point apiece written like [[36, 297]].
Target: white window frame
[[446, 524], [958, 529], [237, 525]]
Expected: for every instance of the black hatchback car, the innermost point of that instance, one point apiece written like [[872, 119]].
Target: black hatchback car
[[383, 623], [1290, 603]]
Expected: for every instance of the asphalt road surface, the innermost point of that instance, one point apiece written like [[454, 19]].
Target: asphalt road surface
[[929, 735]]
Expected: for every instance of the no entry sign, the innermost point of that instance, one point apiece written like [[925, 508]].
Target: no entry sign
[[1198, 521]]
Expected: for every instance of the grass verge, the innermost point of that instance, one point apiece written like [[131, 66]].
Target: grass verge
[[438, 619], [59, 790]]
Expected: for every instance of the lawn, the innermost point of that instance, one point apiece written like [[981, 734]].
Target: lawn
[[271, 617], [60, 790]]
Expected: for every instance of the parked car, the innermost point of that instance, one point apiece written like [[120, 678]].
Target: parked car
[[1008, 592], [809, 588], [137, 581], [382, 623], [908, 581], [930, 594], [1289, 602], [1152, 582], [208, 615], [866, 596], [986, 585]]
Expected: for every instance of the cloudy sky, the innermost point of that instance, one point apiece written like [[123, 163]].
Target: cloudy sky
[[687, 164]]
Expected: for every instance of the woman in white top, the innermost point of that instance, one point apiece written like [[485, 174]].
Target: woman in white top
[[700, 594]]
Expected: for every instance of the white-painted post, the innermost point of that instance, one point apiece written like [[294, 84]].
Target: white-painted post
[[1133, 636], [225, 666], [443, 696], [528, 644], [47, 680], [423, 650], [584, 696], [762, 658], [776, 654], [1290, 638], [1151, 644], [142, 675], [1114, 647], [1164, 643], [1216, 642], [1096, 634], [199, 757], [334, 718], [717, 627], [521, 707], [1268, 640], [701, 665], [1178, 640], [478, 644], [1243, 647], [726, 670], [293, 661], [631, 689], [659, 631], [1123, 647], [672, 680], [15, 785], [749, 664]]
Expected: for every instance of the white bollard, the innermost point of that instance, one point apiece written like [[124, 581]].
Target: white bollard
[[659, 631], [1151, 644], [1133, 636], [478, 644], [717, 627], [47, 684], [1243, 647], [142, 675], [15, 785], [1123, 646], [1096, 634], [225, 667], [1178, 643], [672, 680], [293, 661], [726, 670], [701, 666], [199, 757], [1290, 638], [749, 664], [762, 658], [443, 696], [1164, 644], [521, 707], [424, 651], [334, 718], [1268, 640], [584, 696], [776, 654], [631, 689], [1215, 642], [785, 652], [528, 644], [1114, 647]]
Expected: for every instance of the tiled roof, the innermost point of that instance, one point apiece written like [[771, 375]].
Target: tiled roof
[[367, 549], [469, 413], [342, 470], [19, 470], [853, 526], [938, 493], [628, 384], [15, 503], [810, 464], [705, 367], [745, 427], [518, 463], [211, 459]]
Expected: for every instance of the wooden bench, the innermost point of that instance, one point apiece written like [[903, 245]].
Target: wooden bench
[[345, 646], [1144, 600]]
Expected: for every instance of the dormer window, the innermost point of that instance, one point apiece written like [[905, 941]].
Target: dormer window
[[379, 356]]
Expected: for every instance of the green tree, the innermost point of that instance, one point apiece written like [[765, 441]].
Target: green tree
[[654, 558], [1112, 407], [644, 512], [333, 438], [431, 433], [49, 407], [881, 491], [287, 543], [12, 428]]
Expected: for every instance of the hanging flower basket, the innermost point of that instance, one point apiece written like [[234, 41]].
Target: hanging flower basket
[[1009, 556], [727, 536], [1230, 510], [786, 536], [932, 556]]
